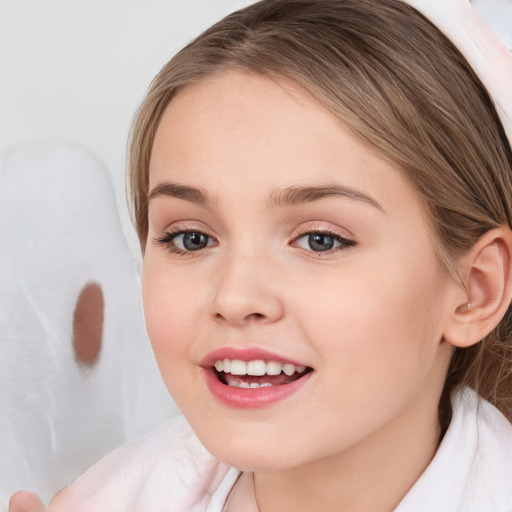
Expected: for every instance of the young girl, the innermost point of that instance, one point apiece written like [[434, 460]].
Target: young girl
[[323, 195]]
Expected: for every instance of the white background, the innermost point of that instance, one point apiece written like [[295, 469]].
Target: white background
[[76, 70]]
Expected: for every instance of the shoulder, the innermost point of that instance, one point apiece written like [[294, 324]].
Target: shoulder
[[167, 470], [472, 469]]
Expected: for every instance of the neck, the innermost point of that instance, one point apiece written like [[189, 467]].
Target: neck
[[372, 476]]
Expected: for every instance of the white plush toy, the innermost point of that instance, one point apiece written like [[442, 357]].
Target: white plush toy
[[77, 376]]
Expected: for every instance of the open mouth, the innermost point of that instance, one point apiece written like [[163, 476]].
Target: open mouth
[[257, 373]]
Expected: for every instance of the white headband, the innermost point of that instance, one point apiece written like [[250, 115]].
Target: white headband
[[482, 48]]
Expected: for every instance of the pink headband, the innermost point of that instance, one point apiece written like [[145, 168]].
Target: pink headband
[[476, 40]]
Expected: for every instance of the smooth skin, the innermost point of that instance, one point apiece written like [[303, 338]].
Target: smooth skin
[[369, 315], [24, 501], [271, 226]]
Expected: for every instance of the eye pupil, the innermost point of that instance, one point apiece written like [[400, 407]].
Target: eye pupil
[[194, 241], [320, 242]]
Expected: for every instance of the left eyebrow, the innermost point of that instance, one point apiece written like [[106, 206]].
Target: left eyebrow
[[185, 192], [291, 196]]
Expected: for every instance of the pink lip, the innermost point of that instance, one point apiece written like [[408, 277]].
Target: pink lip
[[252, 398]]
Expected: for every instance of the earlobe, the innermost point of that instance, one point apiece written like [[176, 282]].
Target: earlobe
[[487, 291]]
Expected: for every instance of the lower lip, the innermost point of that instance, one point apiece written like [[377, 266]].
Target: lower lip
[[252, 398]]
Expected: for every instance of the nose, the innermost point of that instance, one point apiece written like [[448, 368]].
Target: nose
[[246, 291]]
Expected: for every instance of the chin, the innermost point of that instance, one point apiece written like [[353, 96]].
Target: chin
[[249, 460], [249, 450]]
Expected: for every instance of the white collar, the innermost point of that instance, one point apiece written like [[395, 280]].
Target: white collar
[[472, 469]]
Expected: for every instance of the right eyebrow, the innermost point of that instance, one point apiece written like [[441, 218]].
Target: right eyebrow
[[185, 192], [308, 194]]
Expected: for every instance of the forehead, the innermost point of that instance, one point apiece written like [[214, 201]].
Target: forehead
[[242, 128]]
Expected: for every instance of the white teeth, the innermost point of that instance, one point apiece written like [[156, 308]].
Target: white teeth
[[274, 368], [257, 367], [289, 369], [245, 385], [238, 367]]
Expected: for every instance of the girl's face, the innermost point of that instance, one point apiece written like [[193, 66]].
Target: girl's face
[[278, 241]]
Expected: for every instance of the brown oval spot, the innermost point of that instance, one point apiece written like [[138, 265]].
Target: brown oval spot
[[88, 325]]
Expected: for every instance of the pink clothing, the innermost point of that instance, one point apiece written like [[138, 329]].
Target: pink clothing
[[170, 470]]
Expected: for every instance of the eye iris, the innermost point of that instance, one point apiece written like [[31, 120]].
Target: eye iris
[[194, 241], [319, 242]]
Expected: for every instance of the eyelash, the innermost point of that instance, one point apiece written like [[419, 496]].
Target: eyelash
[[344, 243], [167, 239]]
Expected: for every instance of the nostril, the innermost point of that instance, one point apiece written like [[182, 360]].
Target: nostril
[[243, 319], [88, 325]]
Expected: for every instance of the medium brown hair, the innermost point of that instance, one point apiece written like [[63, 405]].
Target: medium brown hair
[[403, 89]]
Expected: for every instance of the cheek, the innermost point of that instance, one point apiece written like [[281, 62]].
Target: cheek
[[381, 323], [169, 313], [170, 319]]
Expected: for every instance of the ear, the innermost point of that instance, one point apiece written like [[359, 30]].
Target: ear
[[481, 303]]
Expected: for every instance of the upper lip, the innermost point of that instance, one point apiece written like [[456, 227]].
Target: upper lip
[[246, 354]]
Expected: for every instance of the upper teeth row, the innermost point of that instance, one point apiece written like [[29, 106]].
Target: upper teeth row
[[257, 367]]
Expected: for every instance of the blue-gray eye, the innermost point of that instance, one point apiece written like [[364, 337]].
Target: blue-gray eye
[[182, 242], [191, 241], [321, 242]]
